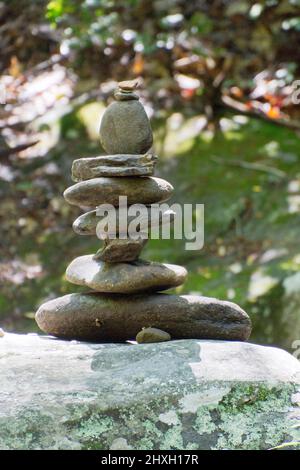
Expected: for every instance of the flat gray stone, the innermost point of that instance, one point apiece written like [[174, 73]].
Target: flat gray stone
[[86, 224], [121, 96], [143, 190], [124, 278], [128, 85], [113, 165], [120, 250], [125, 128], [100, 317], [184, 395]]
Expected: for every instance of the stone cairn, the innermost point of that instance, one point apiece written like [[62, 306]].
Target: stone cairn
[[126, 301]]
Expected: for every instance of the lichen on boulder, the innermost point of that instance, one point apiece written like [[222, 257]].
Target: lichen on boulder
[[185, 395]]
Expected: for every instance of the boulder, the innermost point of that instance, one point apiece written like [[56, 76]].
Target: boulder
[[185, 395]]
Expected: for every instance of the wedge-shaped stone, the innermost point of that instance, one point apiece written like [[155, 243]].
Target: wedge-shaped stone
[[113, 165], [99, 317], [120, 250], [143, 190], [124, 278], [86, 224]]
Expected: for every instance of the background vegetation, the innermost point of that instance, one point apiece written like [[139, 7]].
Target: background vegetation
[[217, 80]]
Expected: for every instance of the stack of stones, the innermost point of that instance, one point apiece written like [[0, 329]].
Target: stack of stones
[[126, 297]]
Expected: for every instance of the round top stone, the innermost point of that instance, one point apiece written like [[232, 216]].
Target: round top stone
[[125, 127]]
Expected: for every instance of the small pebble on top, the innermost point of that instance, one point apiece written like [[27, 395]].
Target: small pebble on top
[[128, 85]]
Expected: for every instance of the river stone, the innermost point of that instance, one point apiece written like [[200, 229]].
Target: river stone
[[125, 96], [103, 317], [86, 224], [128, 85], [152, 335], [180, 395], [124, 278], [113, 165], [125, 128], [120, 250], [143, 190]]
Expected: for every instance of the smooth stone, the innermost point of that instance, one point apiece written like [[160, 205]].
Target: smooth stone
[[144, 190], [119, 95], [120, 251], [125, 128], [86, 224], [128, 85], [152, 335], [113, 165], [100, 317], [124, 278]]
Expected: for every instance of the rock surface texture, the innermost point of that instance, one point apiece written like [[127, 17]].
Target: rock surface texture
[[116, 273], [113, 165], [124, 278], [125, 128], [86, 224], [187, 394], [120, 251], [145, 190], [97, 317]]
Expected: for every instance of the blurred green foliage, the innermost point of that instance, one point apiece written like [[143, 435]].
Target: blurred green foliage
[[223, 44], [211, 28]]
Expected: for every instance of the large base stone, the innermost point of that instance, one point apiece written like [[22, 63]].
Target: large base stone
[[100, 317], [186, 394]]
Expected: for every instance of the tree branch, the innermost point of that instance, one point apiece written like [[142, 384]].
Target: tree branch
[[241, 108], [251, 166], [5, 154]]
